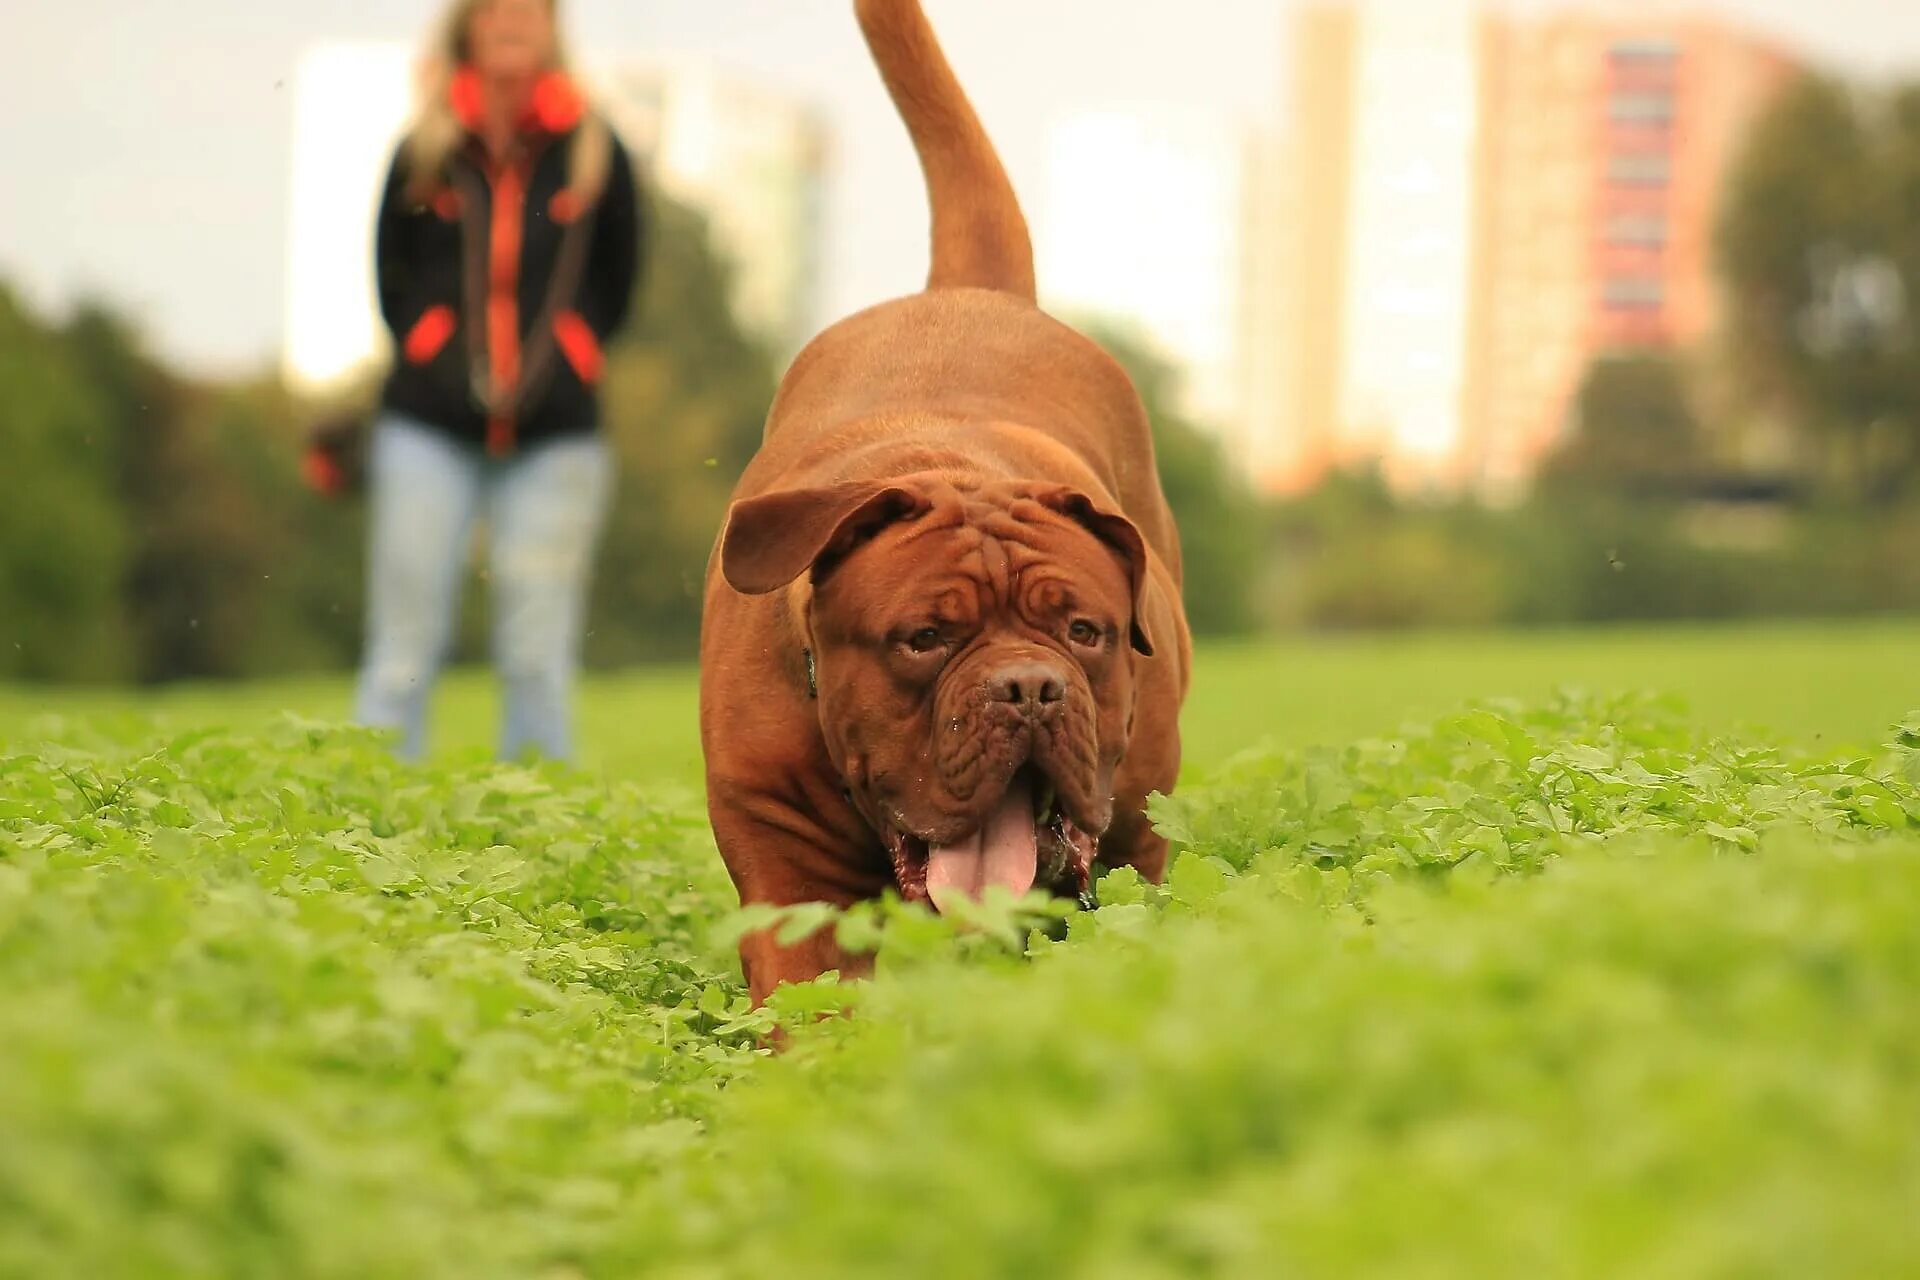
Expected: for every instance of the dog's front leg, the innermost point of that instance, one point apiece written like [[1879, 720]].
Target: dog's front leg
[[781, 854]]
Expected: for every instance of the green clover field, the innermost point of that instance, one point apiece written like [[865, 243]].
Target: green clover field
[[1461, 971]]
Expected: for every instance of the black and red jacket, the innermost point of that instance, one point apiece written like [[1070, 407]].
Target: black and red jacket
[[484, 347]]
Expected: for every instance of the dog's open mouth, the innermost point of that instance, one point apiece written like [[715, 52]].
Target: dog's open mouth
[[1026, 841]]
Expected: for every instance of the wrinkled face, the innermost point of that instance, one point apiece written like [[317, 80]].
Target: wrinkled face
[[976, 690], [511, 39]]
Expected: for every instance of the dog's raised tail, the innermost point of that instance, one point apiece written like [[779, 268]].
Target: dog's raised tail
[[980, 237]]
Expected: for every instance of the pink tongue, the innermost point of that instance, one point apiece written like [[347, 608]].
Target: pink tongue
[[1005, 851]]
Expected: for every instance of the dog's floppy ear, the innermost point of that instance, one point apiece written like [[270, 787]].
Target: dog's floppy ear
[[776, 537], [1119, 533]]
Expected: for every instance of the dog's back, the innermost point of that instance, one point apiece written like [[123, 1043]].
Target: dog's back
[[973, 349]]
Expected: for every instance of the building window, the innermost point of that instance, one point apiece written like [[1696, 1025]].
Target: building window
[[1653, 50], [1640, 107], [1633, 293], [1640, 168], [1637, 230]]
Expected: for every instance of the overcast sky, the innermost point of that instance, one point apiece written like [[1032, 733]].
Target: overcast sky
[[144, 148]]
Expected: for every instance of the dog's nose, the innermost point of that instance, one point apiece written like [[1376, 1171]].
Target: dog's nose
[[1033, 688]]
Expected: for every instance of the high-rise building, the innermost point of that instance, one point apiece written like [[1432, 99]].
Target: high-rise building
[[1608, 150], [1140, 224], [751, 161], [1270, 367], [1408, 264], [1482, 205], [350, 104]]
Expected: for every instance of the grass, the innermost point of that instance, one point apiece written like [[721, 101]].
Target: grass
[[1820, 684], [1554, 986]]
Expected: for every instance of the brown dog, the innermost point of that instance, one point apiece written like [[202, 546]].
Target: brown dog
[[943, 647]]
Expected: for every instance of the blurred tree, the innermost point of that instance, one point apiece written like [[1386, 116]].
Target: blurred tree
[[233, 567], [1634, 432], [686, 397], [1901, 173], [293, 585], [1819, 244], [200, 544], [159, 528], [1222, 526], [63, 542]]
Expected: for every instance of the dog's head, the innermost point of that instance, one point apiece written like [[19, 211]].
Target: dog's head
[[974, 652]]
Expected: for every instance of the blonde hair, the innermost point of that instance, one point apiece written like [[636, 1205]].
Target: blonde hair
[[436, 132]]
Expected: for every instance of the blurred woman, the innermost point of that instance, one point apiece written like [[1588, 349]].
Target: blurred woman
[[508, 248]]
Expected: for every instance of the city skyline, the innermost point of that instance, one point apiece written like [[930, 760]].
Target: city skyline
[[751, 160], [1142, 226], [165, 188], [1455, 270]]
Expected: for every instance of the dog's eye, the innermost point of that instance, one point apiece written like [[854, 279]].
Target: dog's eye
[[925, 640], [1085, 634]]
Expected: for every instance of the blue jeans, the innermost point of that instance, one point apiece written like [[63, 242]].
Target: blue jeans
[[544, 509]]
